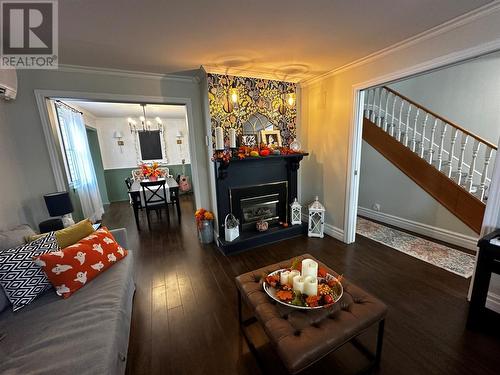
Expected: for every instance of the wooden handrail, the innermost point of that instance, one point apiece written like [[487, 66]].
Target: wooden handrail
[[465, 131]]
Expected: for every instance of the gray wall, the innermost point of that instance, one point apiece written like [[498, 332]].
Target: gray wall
[[24, 158], [468, 94], [381, 182]]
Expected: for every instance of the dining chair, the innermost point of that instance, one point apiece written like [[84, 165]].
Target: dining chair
[[155, 198], [137, 174]]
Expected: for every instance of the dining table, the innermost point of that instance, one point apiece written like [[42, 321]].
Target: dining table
[[135, 192]]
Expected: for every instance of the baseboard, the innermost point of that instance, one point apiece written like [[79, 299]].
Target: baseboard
[[493, 302], [441, 234], [330, 230]]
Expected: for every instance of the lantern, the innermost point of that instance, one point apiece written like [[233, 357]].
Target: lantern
[[316, 219], [295, 212]]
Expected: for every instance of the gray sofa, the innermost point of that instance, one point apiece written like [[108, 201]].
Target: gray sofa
[[87, 333]]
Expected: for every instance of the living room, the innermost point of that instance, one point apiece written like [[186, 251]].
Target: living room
[[274, 104]]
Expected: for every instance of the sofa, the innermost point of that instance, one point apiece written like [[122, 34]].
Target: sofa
[[87, 333]]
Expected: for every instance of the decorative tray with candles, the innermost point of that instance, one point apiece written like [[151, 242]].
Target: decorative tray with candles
[[304, 286]]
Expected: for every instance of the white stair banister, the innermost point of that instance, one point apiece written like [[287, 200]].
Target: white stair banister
[[431, 141], [373, 116], [379, 118], [487, 157], [406, 124], [470, 176], [385, 110], [451, 151], [400, 119], [367, 103], [422, 136], [394, 99], [414, 132], [463, 143], [441, 146]]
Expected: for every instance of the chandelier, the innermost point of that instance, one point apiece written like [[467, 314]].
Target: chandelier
[[145, 124]]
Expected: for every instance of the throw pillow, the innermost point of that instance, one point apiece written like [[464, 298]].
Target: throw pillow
[[20, 278], [4, 301], [76, 265], [72, 234], [15, 237]]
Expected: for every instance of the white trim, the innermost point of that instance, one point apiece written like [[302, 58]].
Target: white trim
[[441, 234], [250, 73], [493, 302], [445, 27], [42, 95], [125, 73]]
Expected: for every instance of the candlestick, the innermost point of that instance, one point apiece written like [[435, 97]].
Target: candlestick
[[311, 286], [309, 268], [284, 278], [232, 137], [291, 275], [298, 284], [219, 138]]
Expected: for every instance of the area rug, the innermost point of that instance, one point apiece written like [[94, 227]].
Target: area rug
[[452, 260]]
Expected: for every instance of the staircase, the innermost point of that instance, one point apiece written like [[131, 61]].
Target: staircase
[[446, 160]]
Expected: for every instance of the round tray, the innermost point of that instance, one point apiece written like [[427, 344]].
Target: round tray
[[271, 291]]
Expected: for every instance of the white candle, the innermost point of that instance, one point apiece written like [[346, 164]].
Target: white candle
[[284, 278], [298, 284], [309, 268], [311, 286], [292, 274], [232, 138], [219, 138]]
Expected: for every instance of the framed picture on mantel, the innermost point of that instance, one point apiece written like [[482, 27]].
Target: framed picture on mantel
[[271, 137]]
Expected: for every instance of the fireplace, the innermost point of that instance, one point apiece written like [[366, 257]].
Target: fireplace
[[266, 202], [255, 189]]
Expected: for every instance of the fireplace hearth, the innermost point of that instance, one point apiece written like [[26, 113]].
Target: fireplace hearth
[[256, 189]]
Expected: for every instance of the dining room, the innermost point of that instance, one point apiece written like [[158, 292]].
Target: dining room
[[140, 154]]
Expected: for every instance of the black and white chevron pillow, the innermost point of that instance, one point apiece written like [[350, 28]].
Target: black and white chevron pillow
[[21, 279]]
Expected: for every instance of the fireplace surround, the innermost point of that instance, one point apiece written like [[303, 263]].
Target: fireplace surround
[[254, 189]]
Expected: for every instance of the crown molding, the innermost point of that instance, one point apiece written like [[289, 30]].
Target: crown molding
[[125, 73], [445, 27], [250, 73]]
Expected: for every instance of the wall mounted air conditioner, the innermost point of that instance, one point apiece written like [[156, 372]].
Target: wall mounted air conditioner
[[8, 84]]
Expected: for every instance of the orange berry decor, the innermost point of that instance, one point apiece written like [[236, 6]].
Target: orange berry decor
[[284, 295]]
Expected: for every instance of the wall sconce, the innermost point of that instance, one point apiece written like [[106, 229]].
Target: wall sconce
[[118, 135], [234, 93], [290, 99]]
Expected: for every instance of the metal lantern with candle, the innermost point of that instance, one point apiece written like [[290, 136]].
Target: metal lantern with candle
[[316, 219], [295, 212]]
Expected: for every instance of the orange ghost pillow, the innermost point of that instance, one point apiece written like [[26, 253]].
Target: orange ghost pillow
[[75, 266]]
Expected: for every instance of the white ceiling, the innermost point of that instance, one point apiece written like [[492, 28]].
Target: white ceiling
[[284, 38], [125, 110]]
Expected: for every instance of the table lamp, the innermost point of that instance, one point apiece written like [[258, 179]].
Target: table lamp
[[59, 204]]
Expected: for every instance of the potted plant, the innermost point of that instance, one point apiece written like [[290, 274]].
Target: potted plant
[[204, 222], [151, 172]]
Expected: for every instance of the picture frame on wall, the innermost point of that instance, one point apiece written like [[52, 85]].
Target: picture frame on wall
[[249, 140], [271, 137]]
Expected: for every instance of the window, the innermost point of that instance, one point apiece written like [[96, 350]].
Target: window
[[68, 153]]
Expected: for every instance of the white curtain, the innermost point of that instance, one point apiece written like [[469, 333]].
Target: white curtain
[[491, 220], [85, 178]]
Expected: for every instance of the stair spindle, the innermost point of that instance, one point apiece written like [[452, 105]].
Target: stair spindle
[[400, 119], [441, 146], [372, 115], [367, 104], [414, 133], [422, 136], [392, 114], [451, 151], [385, 110], [487, 157], [431, 141], [407, 123], [379, 118], [472, 167], [461, 156]]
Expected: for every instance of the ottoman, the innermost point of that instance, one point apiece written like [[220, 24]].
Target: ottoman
[[302, 337]]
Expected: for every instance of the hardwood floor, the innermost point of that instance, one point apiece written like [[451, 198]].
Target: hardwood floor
[[185, 310]]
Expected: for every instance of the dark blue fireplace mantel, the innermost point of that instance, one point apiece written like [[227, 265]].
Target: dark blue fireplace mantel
[[255, 171]]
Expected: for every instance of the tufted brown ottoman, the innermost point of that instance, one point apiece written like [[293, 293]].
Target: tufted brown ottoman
[[304, 337]]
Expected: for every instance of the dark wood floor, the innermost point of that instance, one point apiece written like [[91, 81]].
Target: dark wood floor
[[185, 310]]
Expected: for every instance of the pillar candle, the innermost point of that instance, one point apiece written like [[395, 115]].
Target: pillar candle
[[309, 268], [311, 286], [292, 274], [298, 284], [284, 278], [219, 138], [232, 138]]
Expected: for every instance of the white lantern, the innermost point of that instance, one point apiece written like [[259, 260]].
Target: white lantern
[[295, 212], [316, 219]]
